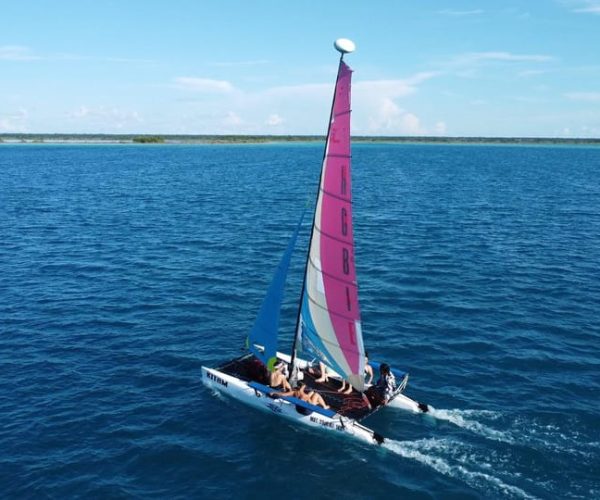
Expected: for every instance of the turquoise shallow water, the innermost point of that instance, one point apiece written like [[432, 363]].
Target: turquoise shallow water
[[124, 269]]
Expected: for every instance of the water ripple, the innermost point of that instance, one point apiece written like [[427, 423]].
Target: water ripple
[[124, 269]]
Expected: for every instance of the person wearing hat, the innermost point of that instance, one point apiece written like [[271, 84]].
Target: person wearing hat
[[277, 377]]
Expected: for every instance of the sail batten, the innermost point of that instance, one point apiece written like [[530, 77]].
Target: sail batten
[[330, 326], [341, 280], [341, 315]]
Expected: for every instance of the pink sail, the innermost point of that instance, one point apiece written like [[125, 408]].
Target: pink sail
[[331, 326]]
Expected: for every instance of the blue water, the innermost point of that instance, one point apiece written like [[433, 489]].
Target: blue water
[[124, 269]]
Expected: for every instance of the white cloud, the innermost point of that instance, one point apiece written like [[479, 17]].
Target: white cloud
[[471, 64], [376, 106], [411, 125], [390, 119], [440, 128], [391, 88], [229, 64], [204, 85], [14, 122], [232, 119], [587, 131], [22, 53], [476, 57], [16, 53], [217, 106], [374, 103], [580, 131], [583, 96], [529, 99], [531, 72], [586, 6], [273, 120], [593, 9], [383, 89], [377, 110], [80, 112], [309, 90], [460, 13], [125, 60], [105, 118]]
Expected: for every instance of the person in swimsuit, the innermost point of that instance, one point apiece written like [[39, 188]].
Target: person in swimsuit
[[277, 378], [312, 397]]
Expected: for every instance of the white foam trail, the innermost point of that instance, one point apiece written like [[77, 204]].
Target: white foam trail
[[522, 430], [475, 479], [457, 417], [550, 437]]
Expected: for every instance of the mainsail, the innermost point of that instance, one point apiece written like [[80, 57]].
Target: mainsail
[[330, 326], [262, 340]]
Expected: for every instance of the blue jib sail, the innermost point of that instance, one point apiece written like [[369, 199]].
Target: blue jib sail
[[262, 340]]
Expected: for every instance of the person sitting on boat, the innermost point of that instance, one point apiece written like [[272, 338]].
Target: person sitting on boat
[[277, 377], [368, 370], [380, 393], [321, 371], [283, 368], [368, 377], [312, 397], [386, 385]]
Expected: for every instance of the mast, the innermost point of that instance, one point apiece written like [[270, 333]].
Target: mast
[[344, 46]]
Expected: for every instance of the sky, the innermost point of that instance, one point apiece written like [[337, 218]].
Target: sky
[[505, 68]]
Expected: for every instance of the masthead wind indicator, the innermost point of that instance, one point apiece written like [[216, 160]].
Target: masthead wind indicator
[[344, 45]]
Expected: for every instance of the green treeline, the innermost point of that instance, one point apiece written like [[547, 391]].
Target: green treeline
[[148, 139], [258, 139]]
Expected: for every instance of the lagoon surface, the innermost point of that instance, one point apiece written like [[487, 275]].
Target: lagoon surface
[[124, 269]]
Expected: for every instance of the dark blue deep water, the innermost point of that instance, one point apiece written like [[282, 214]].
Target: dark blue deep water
[[124, 269]]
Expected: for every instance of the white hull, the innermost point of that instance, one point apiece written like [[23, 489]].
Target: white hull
[[240, 390], [403, 402]]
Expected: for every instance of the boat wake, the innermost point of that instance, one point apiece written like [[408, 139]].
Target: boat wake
[[527, 431], [454, 460], [514, 468], [466, 419]]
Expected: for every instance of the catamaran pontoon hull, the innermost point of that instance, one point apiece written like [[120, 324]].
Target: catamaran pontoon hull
[[244, 392], [403, 402], [237, 380]]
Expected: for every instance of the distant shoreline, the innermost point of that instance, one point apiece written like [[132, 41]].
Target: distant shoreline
[[264, 139]]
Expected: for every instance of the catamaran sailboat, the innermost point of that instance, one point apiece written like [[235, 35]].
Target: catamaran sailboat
[[328, 328]]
